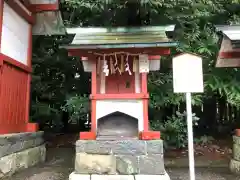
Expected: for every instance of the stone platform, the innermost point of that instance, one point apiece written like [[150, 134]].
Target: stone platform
[[235, 161], [119, 157], [75, 176], [19, 151]]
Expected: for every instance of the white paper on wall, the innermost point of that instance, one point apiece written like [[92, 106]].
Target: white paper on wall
[[87, 65], [15, 35], [143, 63], [154, 65]]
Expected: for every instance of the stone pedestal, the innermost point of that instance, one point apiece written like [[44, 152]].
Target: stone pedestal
[[119, 159], [235, 161], [19, 151]]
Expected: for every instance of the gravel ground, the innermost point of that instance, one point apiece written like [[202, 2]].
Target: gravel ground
[[60, 163], [202, 174], [58, 166]]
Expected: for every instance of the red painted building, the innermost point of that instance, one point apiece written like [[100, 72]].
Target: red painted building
[[19, 20], [229, 52]]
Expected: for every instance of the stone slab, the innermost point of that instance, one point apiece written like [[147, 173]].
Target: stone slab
[[127, 164], [95, 164], [236, 140], [142, 164], [15, 137], [151, 164], [18, 146], [234, 166], [17, 161], [74, 176], [236, 152], [135, 147], [112, 177], [154, 146], [152, 177]]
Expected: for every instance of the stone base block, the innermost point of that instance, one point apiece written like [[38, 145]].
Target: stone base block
[[75, 176], [236, 140], [134, 147], [95, 164], [13, 143], [17, 161], [125, 157], [236, 152], [140, 164], [234, 166]]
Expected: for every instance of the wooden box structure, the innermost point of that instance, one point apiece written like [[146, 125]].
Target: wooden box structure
[[119, 60], [229, 53], [19, 19]]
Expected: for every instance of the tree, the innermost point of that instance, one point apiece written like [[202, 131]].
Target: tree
[[195, 31]]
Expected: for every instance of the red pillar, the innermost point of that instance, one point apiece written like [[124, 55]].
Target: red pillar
[[92, 134], [147, 134], [30, 127], [145, 101]]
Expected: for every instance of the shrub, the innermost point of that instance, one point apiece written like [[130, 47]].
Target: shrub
[[174, 130]]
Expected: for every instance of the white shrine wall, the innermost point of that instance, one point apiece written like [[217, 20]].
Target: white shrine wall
[[132, 108], [15, 35]]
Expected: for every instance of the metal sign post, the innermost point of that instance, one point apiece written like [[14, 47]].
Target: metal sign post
[[190, 136], [188, 78]]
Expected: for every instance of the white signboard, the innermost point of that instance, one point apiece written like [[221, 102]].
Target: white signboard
[[143, 63], [187, 74]]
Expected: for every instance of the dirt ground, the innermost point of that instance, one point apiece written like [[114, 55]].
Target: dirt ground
[[60, 162]]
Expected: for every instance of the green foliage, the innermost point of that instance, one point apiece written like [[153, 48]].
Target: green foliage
[[55, 76], [54, 73], [78, 107], [174, 130], [204, 140]]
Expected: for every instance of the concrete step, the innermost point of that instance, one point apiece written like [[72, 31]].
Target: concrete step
[[74, 176]]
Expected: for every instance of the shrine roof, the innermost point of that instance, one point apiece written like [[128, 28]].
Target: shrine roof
[[229, 48], [231, 31], [47, 16], [121, 37]]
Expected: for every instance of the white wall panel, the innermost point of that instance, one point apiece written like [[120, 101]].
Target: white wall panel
[[132, 108], [15, 35]]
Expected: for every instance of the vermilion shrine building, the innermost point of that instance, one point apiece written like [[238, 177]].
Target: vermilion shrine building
[[19, 20], [119, 60], [229, 53]]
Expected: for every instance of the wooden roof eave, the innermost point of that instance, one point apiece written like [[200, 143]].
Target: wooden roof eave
[[162, 50]]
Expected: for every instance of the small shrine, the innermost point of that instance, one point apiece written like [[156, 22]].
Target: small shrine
[[229, 52], [119, 60], [120, 141]]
